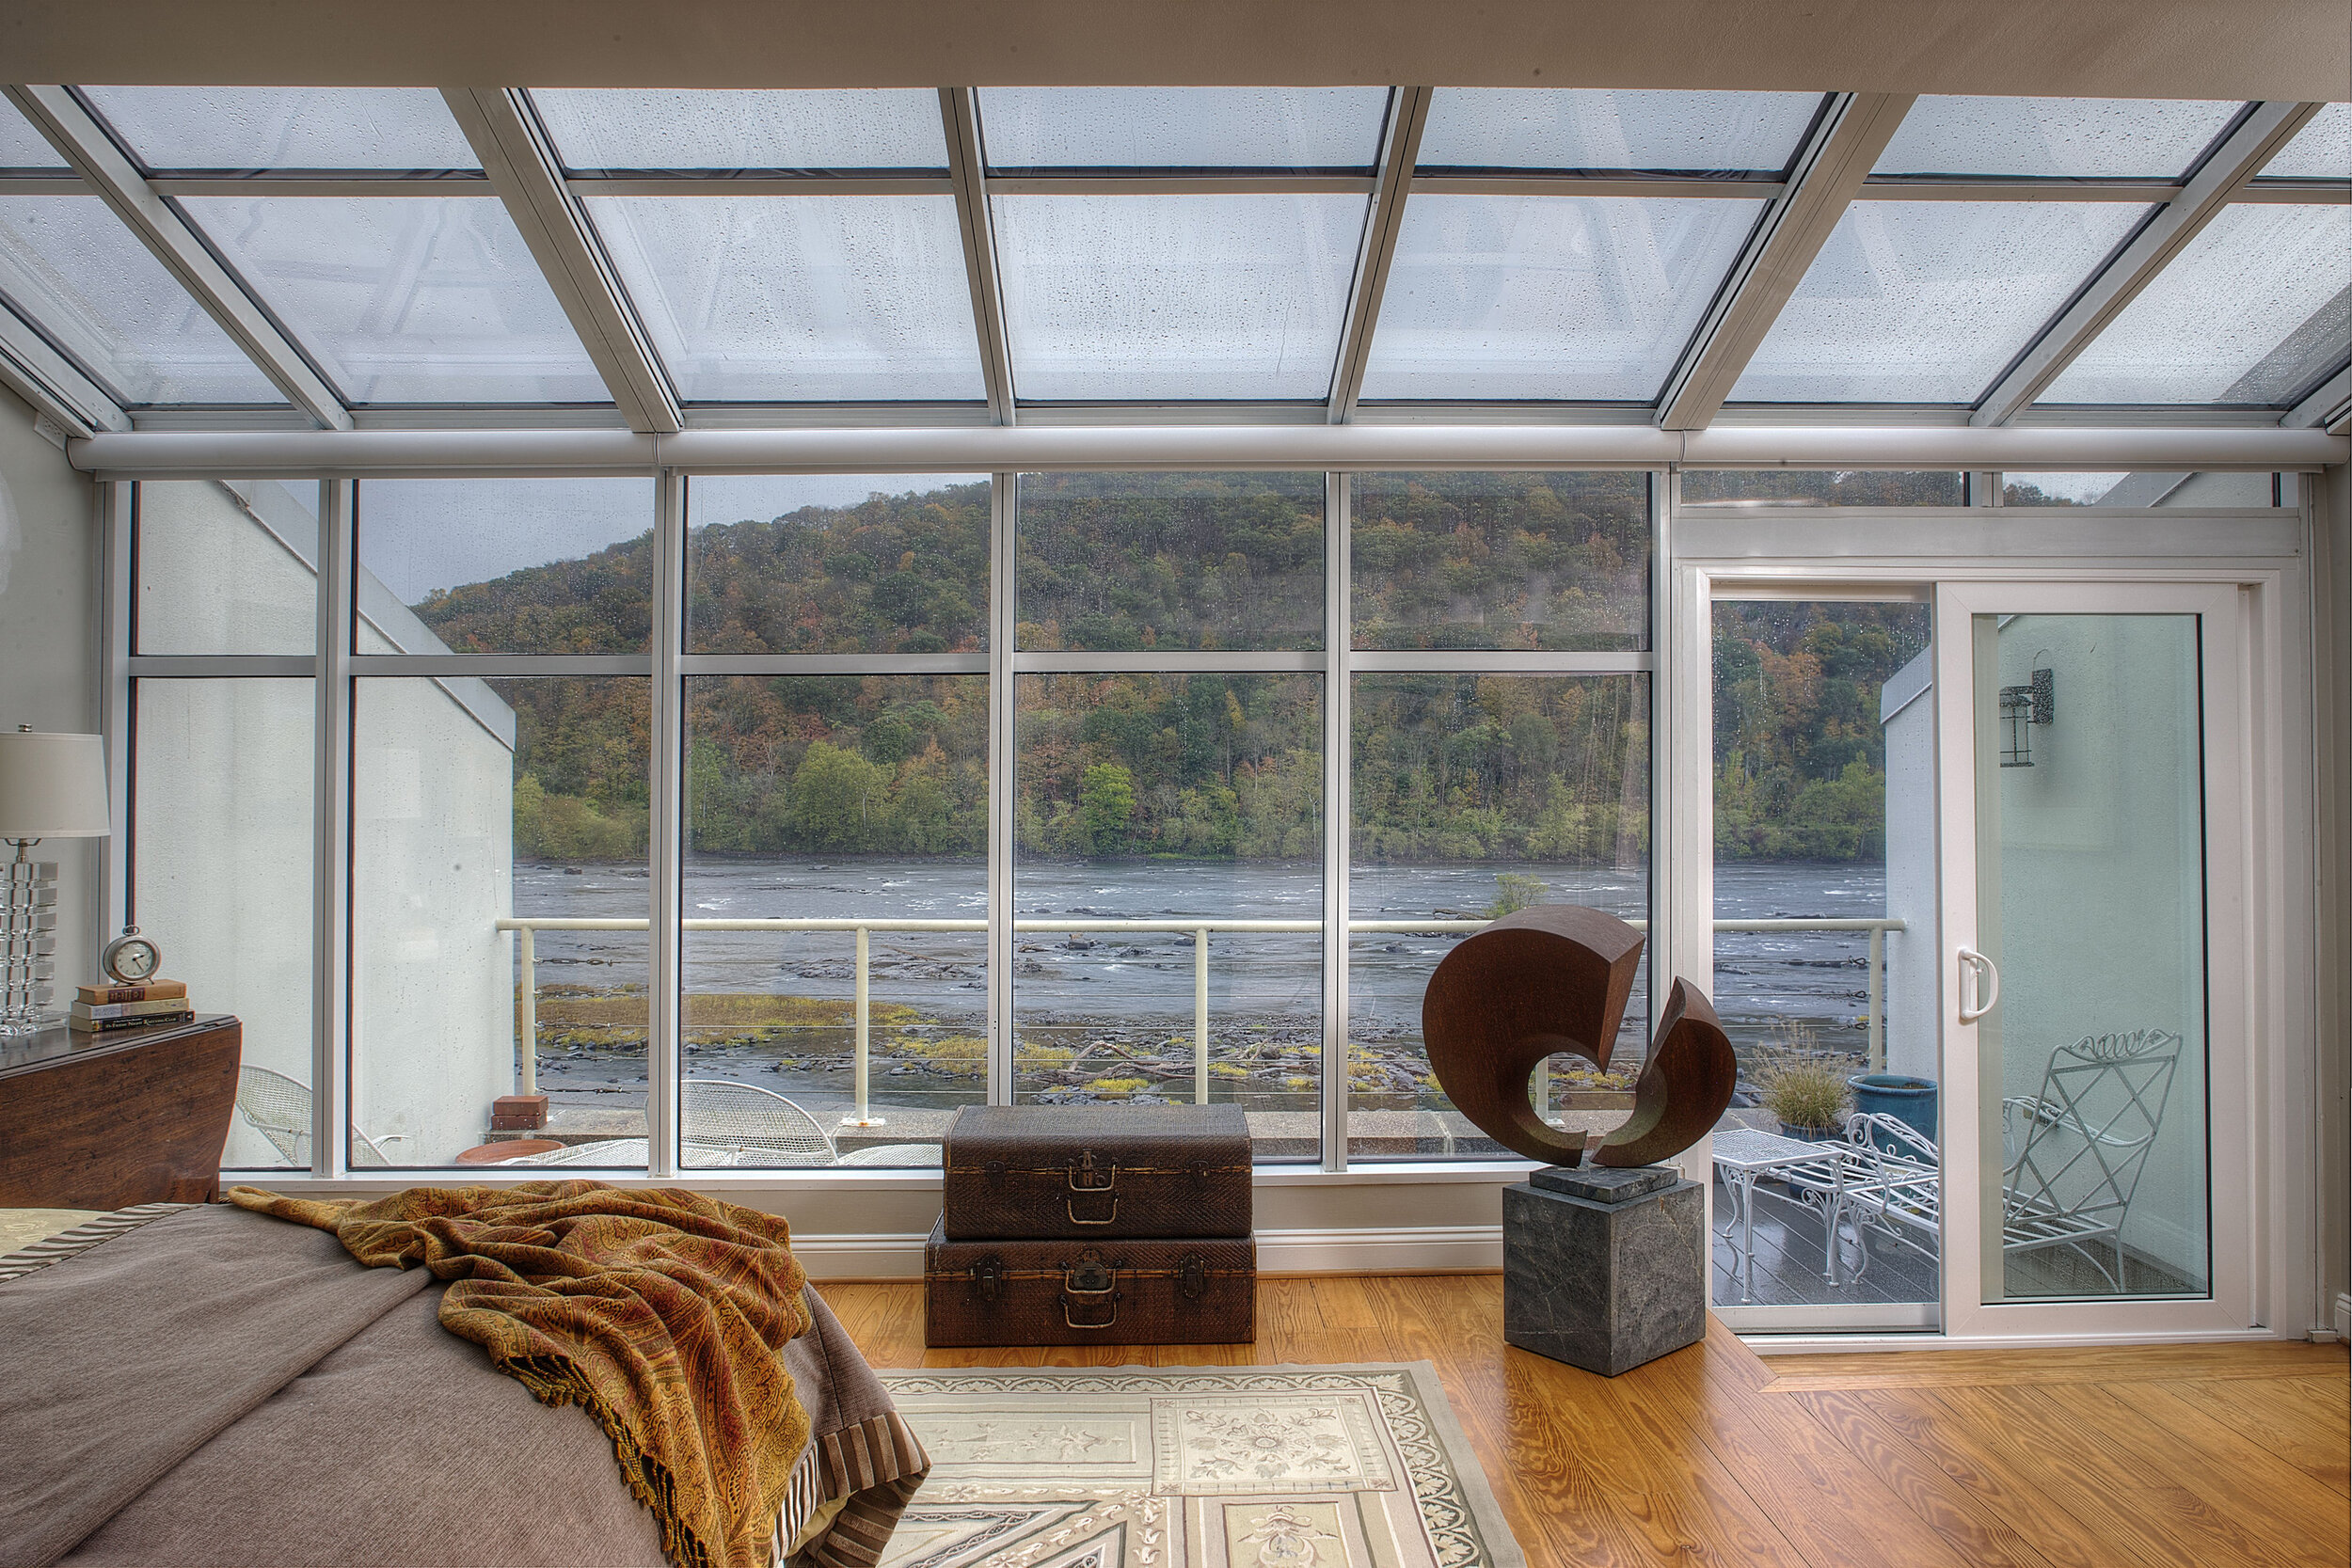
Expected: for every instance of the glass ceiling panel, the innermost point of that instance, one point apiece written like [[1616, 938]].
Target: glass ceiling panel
[[1927, 301], [275, 128], [2255, 310], [21, 146], [610, 128], [1168, 297], [2321, 150], [1286, 128], [405, 299], [799, 298], [69, 268], [2081, 139], [1576, 298], [1594, 128]]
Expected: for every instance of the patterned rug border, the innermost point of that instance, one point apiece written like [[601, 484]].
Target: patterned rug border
[[1468, 1472]]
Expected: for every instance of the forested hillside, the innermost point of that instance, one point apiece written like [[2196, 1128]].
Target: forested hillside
[[1446, 767], [1800, 758]]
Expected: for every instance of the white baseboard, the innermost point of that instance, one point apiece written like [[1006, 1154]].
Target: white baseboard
[[1416, 1249], [2342, 1316]]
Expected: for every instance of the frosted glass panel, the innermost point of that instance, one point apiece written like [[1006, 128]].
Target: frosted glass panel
[[799, 298], [2255, 311], [1927, 301], [599, 128], [285, 127], [2321, 150], [21, 146], [406, 299], [1545, 296], [1592, 128], [66, 264], [1182, 127], [2079, 138], [1175, 297]]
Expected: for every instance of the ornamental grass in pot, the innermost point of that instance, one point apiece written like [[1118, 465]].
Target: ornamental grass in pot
[[1809, 1097]]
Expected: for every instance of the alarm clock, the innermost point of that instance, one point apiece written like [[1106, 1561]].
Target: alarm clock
[[130, 958]]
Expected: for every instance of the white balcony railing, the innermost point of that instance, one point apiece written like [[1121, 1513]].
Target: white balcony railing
[[527, 1013]]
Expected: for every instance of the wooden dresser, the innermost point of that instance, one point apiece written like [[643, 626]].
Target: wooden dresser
[[103, 1121]]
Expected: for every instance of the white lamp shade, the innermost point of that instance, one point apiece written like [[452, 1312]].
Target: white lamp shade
[[52, 785]]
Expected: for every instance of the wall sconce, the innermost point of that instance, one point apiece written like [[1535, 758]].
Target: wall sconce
[[2022, 706]]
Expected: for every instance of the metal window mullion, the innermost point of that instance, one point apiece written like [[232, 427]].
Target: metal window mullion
[[2241, 156], [1408, 111], [1003, 499], [1665, 950], [114, 708], [33, 368], [169, 238], [1831, 169], [1337, 727], [331, 1014], [958, 109], [665, 833]]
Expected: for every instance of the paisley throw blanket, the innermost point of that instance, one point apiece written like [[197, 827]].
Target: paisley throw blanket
[[663, 1314]]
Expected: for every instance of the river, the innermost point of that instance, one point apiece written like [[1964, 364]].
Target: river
[[1131, 995]]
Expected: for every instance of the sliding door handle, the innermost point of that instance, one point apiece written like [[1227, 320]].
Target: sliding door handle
[[1980, 985]]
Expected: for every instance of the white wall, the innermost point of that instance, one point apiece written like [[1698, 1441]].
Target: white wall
[[49, 569], [1907, 709], [223, 864]]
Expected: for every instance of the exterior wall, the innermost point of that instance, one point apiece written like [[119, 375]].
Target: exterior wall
[[1907, 709], [51, 563], [2097, 886], [224, 855]]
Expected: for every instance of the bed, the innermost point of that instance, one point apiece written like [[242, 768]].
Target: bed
[[199, 1385]]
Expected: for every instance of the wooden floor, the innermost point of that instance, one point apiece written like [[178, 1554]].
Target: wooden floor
[[2199, 1456]]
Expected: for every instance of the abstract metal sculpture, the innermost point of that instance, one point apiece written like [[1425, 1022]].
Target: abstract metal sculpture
[[1555, 978]]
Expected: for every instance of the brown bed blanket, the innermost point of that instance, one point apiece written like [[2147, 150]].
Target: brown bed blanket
[[661, 1312], [218, 1387]]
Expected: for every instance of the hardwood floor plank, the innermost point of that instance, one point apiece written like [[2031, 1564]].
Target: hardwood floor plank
[[2095, 1458], [2055, 1468], [2270, 1508], [1834, 1512], [2086, 1364], [1941, 1502], [2305, 1421]]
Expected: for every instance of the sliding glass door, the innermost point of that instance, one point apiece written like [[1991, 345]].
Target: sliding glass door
[[2091, 793]]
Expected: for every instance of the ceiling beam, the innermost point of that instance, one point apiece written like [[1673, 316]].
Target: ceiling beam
[[986, 449], [60, 116], [529, 179], [1400, 148], [958, 109], [1829, 174], [2240, 156], [37, 372]]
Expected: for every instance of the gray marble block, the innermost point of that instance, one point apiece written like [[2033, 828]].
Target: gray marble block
[[1604, 1269]]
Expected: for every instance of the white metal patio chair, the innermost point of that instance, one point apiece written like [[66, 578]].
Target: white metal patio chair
[[279, 1108], [743, 1119], [2076, 1151], [1889, 1179]]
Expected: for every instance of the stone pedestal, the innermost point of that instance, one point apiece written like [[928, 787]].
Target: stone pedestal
[[1604, 1269]]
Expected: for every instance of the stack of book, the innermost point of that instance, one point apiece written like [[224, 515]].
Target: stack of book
[[98, 1008]]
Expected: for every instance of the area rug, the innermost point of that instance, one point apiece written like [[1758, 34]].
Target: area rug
[[1350, 1466]]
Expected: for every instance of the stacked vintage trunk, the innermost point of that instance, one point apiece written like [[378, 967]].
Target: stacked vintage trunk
[[1071, 1225]]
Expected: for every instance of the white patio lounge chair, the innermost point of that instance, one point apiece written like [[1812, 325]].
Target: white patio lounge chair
[[2073, 1157], [751, 1125], [279, 1108]]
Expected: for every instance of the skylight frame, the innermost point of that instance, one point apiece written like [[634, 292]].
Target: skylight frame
[[1389, 187]]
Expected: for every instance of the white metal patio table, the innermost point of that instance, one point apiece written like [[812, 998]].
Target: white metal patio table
[[1742, 1155]]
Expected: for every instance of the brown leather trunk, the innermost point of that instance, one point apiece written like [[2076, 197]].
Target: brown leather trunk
[[1097, 1172], [1180, 1291]]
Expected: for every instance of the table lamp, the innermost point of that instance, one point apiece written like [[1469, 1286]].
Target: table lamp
[[51, 786]]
